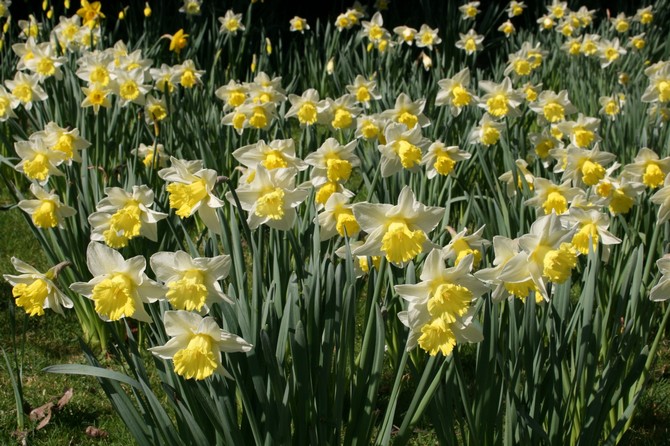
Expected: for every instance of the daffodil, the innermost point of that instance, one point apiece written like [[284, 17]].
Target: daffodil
[[587, 166], [648, 168], [341, 113], [337, 218], [620, 23], [129, 87], [7, 105], [364, 90], [552, 197], [514, 180], [488, 131], [609, 51], [583, 132], [233, 94], [440, 312], [196, 344], [403, 149], [408, 112], [398, 232], [590, 229], [661, 291], [644, 15], [178, 41], [333, 160], [151, 156], [122, 216], [94, 68], [38, 162], [35, 291], [64, 141], [441, 160], [119, 287], [97, 96], [90, 13], [191, 189], [469, 10], [191, 7], [371, 127], [501, 99], [662, 198], [298, 24], [192, 283], [471, 42], [25, 90], [462, 245], [271, 198], [45, 63], [46, 211], [265, 89], [455, 93], [515, 8], [427, 37], [553, 107], [165, 78], [307, 108], [276, 154], [231, 23], [155, 109], [558, 9], [405, 34]]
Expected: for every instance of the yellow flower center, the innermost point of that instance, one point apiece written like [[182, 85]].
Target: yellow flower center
[[5, 107], [238, 120], [337, 169], [639, 43], [408, 119], [620, 203], [346, 223], [558, 12], [271, 204], [125, 224], [522, 289], [462, 249], [622, 26], [646, 18], [588, 232], [45, 215], [554, 112], [558, 263], [611, 108], [530, 93], [259, 119], [362, 94], [450, 301], [592, 172], [583, 136], [157, 111], [369, 130], [188, 293], [64, 145], [543, 147], [376, 32], [46, 67], [490, 135], [184, 197], [460, 96], [31, 297], [236, 98], [23, 92], [653, 175], [129, 90], [342, 119], [498, 105], [274, 159], [604, 189], [437, 336], [113, 297], [197, 360], [444, 164], [100, 75], [410, 155], [611, 54], [522, 67], [232, 25], [555, 201], [427, 39], [400, 244], [97, 97], [307, 113], [37, 168], [325, 191], [470, 45]]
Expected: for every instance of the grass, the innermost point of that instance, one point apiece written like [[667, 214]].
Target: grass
[[48, 340]]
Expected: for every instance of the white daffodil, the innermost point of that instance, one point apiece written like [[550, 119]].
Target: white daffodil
[[265, 89], [277, 154], [405, 34], [46, 211], [661, 291], [151, 155], [403, 149], [233, 94], [648, 168], [129, 86], [440, 313], [119, 287], [427, 37], [587, 166], [398, 232], [589, 227], [122, 216], [271, 198], [35, 291], [500, 99], [441, 160], [341, 113], [333, 160], [364, 90], [298, 24], [38, 162], [192, 283], [370, 127], [513, 179], [454, 92], [231, 23], [583, 132], [307, 108], [551, 197], [25, 89], [488, 131], [553, 107], [662, 198], [191, 190], [462, 245], [471, 42], [7, 105], [196, 344], [509, 258], [408, 112], [67, 142], [336, 218]]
